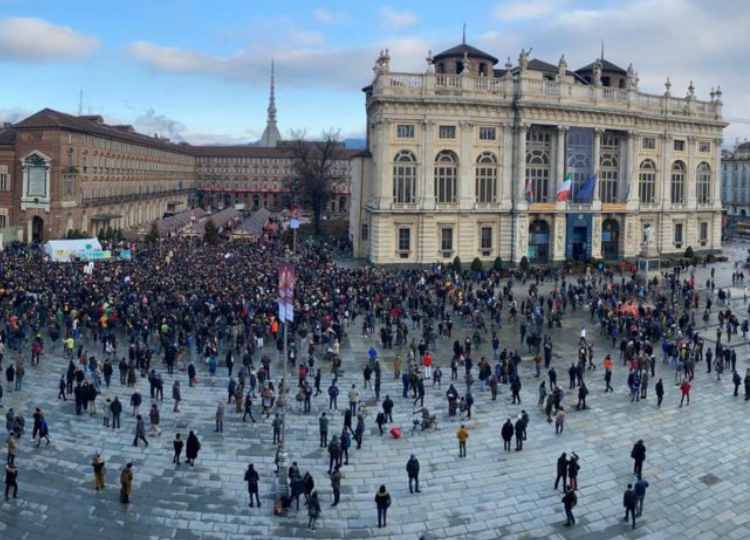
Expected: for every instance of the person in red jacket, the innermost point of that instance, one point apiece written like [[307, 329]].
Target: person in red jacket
[[685, 390], [427, 363]]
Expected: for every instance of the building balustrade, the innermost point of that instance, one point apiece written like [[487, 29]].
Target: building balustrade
[[533, 89]]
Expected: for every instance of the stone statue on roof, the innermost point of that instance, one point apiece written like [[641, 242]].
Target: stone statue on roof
[[523, 59]]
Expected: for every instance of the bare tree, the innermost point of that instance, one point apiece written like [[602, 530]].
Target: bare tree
[[316, 171]]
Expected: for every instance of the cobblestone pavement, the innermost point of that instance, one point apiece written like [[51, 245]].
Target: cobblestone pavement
[[696, 464]]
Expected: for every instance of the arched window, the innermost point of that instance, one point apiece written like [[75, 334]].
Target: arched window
[[446, 177], [404, 178], [608, 181], [486, 178], [537, 176], [647, 182], [678, 182], [703, 183]]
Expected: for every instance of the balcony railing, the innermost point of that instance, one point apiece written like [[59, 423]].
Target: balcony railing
[[533, 89], [130, 197]]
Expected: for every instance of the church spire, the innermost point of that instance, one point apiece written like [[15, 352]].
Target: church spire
[[271, 135]]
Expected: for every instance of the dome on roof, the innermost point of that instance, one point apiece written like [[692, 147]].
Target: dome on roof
[[459, 50]]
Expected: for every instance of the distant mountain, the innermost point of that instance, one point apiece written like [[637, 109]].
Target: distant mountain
[[355, 144]]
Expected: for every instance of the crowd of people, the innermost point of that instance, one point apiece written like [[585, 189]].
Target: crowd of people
[[176, 311]]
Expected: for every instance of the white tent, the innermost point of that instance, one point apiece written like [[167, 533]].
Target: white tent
[[63, 250]]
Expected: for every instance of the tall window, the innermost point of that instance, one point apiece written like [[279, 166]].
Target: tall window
[[446, 177], [538, 151], [486, 133], [647, 182], [608, 181], [537, 176], [678, 235], [404, 178], [703, 183], [486, 178], [404, 240], [485, 240], [648, 143], [37, 173], [446, 238], [678, 182], [4, 178], [703, 236]]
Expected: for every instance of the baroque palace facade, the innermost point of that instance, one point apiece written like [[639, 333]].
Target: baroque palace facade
[[61, 172], [467, 160]]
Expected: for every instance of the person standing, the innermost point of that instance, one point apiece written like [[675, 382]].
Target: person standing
[[608, 364], [628, 501], [382, 502], [313, 509], [140, 431], [640, 493], [736, 380], [334, 453], [323, 428], [126, 484], [685, 391], [11, 449], [177, 444], [520, 432], [659, 392], [336, 484], [506, 432], [192, 447], [462, 435], [412, 471], [639, 456], [569, 501], [154, 418], [98, 465], [251, 477], [573, 468], [220, 417], [176, 396], [353, 399], [562, 470], [276, 424], [11, 480], [116, 409]]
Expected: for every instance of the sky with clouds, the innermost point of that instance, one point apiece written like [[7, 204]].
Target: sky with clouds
[[198, 71]]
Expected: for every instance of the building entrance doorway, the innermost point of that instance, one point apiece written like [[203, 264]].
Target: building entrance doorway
[[37, 229]]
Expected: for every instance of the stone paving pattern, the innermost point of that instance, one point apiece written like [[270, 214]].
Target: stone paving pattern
[[696, 461]]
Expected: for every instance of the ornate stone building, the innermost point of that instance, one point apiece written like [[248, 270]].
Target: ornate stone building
[[60, 172], [467, 159], [735, 180]]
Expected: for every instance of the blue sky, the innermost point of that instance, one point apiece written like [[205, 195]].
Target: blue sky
[[198, 71]]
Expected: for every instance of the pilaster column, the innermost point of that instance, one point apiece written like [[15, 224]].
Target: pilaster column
[[426, 175], [520, 202], [560, 162], [664, 176], [691, 195], [383, 185], [716, 181], [631, 171], [596, 161], [505, 176], [466, 184]]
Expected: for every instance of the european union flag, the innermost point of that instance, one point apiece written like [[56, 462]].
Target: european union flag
[[585, 192]]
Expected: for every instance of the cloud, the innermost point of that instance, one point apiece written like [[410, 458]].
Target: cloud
[[326, 16], [13, 115], [34, 40], [397, 19], [173, 60], [521, 10], [152, 123], [298, 66]]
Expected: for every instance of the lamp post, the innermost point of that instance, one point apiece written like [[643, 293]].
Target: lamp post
[[287, 278]]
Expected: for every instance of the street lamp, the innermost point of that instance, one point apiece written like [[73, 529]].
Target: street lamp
[[287, 278]]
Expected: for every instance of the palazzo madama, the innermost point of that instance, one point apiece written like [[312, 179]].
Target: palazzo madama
[[467, 158]]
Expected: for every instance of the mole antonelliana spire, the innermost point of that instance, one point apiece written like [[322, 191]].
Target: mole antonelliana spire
[[271, 135]]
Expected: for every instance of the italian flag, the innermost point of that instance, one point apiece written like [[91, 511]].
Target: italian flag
[[566, 189]]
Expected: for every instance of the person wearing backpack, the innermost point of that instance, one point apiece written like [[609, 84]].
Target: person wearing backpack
[[382, 502], [569, 501]]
